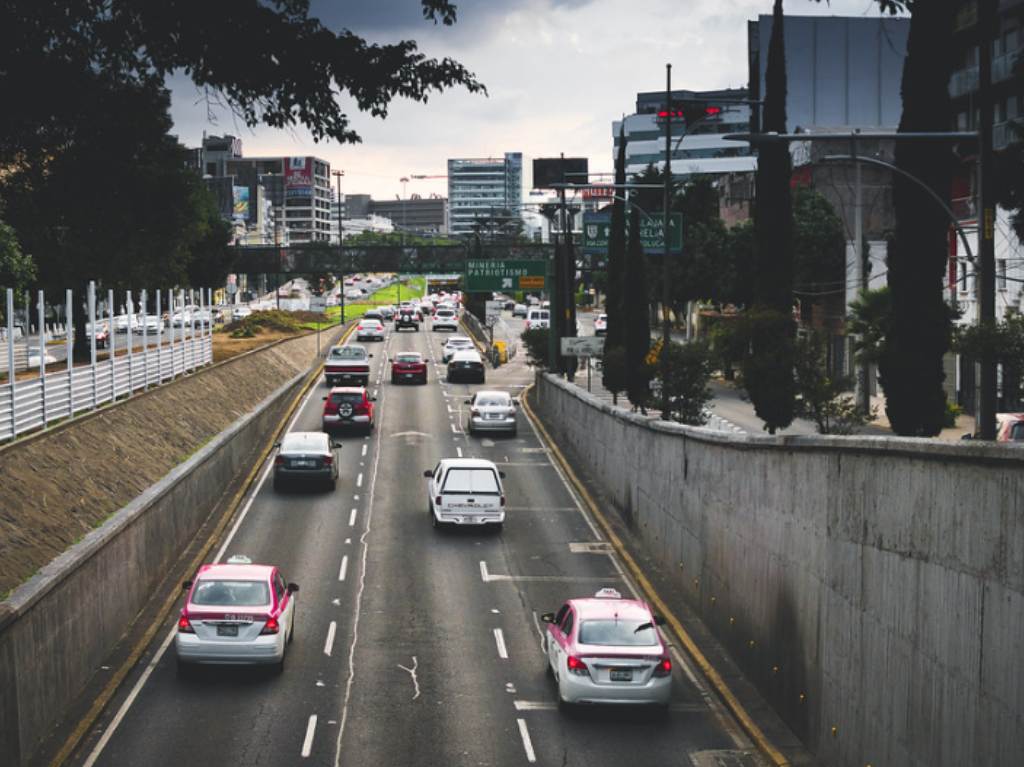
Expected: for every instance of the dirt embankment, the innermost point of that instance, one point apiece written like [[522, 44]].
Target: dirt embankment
[[60, 485]]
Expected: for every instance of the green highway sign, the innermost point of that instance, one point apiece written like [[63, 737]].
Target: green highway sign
[[597, 229], [490, 275]]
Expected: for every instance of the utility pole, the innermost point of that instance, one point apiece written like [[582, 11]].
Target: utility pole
[[341, 241], [666, 292], [986, 245], [864, 374], [568, 295]]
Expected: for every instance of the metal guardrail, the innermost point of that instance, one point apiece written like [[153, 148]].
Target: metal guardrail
[[34, 403]]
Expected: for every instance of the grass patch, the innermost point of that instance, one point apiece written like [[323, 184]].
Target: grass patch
[[415, 287]]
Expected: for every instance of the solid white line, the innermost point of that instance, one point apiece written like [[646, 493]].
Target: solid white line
[[344, 568], [307, 744], [352, 517], [359, 480], [524, 733], [159, 654], [499, 640], [329, 644]]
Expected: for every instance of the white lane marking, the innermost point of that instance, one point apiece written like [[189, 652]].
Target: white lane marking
[[458, 451], [365, 446], [455, 429], [524, 733], [307, 743], [484, 575], [344, 568], [359, 480], [499, 640], [412, 673], [534, 705], [352, 518], [540, 632], [348, 541], [355, 497], [359, 602], [329, 644], [159, 654], [488, 577]]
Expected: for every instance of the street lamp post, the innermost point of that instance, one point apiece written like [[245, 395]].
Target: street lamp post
[[666, 282], [341, 241]]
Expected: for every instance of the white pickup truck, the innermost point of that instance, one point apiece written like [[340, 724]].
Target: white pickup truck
[[465, 491]]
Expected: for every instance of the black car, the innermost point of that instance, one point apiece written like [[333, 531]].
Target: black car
[[466, 365], [408, 318]]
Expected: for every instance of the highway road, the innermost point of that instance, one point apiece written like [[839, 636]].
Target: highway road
[[413, 646]]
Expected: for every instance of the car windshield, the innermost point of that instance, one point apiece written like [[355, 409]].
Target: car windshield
[[231, 593], [618, 633], [479, 481], [456, 342], [492, 400], [347, 353], [407, 358]]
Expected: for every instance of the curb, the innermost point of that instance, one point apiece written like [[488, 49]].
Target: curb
[[164, 611], [746, 722]]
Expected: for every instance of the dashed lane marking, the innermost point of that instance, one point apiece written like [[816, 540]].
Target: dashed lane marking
[[499, 640], [524, 733], [329, 643], [344, 568], [307, 743]]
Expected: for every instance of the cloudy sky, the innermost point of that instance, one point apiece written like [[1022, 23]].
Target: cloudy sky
[[558, 72]]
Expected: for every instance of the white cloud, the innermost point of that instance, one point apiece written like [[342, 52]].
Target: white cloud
[[557, 73]]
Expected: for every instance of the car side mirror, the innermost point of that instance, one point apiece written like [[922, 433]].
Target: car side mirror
[[501, 474], [369, 355], [186, 585], [336, 444], [469, 402], [428, 474], [547, 618], [277, 444], [292, 588], [324, 399], [659, 620], [373, 399]]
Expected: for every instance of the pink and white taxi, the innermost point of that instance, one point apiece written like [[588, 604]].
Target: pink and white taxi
[[606, 649], [236, 613]]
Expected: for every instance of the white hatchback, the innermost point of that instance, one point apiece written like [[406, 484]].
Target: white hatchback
[[445, 319], [465, 491]]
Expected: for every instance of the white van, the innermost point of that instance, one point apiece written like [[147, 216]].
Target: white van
[[465, 491], [537, 318]]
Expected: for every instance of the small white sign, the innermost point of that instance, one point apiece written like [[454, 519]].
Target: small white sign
[[318, 304], [583, 346]]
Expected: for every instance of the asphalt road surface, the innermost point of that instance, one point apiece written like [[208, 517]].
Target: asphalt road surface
[[412, 646]]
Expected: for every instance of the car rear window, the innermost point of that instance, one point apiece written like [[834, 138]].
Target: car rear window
[[619, 633], [475, 481], [408, 358], [492, 401], [350, 397], [223, 593], [348, 353]]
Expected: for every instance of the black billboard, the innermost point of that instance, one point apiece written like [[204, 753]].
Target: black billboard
[[548, 171]]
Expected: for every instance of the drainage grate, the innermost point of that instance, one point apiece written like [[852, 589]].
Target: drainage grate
[[725, 759], [591, 547]]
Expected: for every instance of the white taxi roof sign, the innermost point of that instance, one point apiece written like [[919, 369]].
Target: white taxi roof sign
[[607, 593], [239, 559]]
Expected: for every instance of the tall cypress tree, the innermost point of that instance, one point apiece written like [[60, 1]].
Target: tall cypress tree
[[919, 333], [768, 372], [638, 318], [614, 364]]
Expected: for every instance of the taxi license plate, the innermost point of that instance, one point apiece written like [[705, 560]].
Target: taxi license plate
[[303, 464], [227, 631], [622, 675]]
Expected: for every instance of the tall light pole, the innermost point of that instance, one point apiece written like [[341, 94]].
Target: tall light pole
[[338, 174], [986, 426], [666, 283]]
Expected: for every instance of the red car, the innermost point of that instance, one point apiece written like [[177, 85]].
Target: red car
[[346, 407], [408, 366]]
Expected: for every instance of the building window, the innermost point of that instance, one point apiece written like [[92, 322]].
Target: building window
[[1000, 274]]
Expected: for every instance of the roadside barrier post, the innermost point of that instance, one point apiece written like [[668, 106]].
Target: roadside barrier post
[[41, 311]]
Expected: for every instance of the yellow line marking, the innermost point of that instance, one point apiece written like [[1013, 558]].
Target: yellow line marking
[[710, 673], [98, 705]]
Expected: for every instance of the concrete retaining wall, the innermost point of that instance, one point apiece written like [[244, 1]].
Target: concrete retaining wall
[[874, 585], [57, 628]]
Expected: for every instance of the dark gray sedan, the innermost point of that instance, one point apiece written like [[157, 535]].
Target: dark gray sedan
[[306, 458]]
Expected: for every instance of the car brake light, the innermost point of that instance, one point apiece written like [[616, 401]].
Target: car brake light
[[327, 459], [576, 666], [664, 667], [271, 626], [437, 500], [279, 461], [475, 412], [502, 500], [184, 625]]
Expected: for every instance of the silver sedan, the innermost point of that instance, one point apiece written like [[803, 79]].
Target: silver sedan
[[492, 411]]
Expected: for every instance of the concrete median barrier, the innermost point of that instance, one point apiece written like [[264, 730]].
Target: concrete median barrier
[[57, 628], [872, 588]]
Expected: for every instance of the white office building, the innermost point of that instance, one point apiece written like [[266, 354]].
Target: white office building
[[483, 189]]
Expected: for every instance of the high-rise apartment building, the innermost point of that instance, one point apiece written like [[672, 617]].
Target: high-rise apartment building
[[483, 189]]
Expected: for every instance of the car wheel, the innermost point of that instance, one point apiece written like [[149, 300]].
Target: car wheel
[[277, 485], [279, 666], [515, 432], [291, 632], [497, 527], [185, 670], [393, 380]]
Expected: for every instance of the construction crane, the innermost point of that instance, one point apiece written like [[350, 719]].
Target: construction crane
[[416, 177]]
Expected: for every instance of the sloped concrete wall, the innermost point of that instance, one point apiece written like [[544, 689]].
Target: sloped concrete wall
[[874, 585]]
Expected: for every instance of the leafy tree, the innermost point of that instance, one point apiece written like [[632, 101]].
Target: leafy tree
[[768, 375], [920, 330], [819, 243], [294, 67], [869, 321], [613, 363], [736, 278], [687, 385], [638, 328], [536, 342], [17, 269], [823, 398]]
